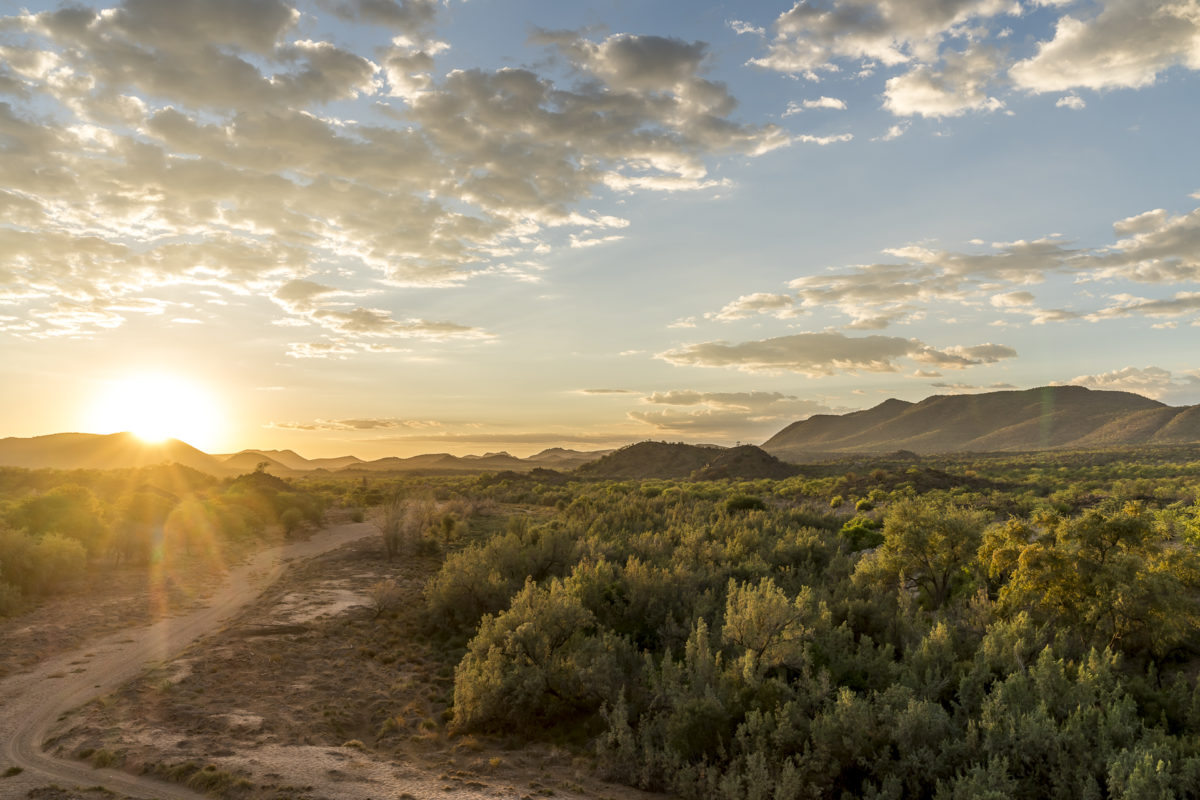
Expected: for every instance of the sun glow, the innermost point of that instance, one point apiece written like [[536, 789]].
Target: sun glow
[[157, 407]]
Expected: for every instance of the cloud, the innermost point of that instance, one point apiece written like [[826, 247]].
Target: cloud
[[1071, 101], [1151, 381], [299, 296], [743, 415], [893, 132], [824, 140], [740, 27], [366, 424], [821, 102], [168, 143], [607, 391], [813, 37], [1154, 247], [1019, 299], [781, 306], [876, 295], [959, 86], [962, 388], [829, 353], [1127, 45], [1180, 304]]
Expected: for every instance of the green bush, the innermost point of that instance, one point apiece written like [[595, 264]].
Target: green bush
[[540, 663]]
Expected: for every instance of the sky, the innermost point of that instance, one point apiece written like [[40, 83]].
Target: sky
[[389, 227]]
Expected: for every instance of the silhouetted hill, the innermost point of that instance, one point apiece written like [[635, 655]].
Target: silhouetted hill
[[287, 459], [745, 462], [1051, 417], [679, 460], [121, 450], [102, 451], [248, 461]]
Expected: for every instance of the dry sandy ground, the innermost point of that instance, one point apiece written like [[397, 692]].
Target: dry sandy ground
[[115, 599], [310, 694]]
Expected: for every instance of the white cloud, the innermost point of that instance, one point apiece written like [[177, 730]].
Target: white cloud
[[741, 27], [958, 86], [190, 142], [1071, 101], [820, 102], [812, 37], [824, 140], [1127, 45]]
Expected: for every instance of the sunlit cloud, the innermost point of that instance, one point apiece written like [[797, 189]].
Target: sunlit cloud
[[830, 353]]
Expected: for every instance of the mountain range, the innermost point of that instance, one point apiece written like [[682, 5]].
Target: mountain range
[[124, 450], [1047, 418]]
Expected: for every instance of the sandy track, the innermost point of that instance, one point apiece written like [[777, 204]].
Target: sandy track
[[32, 702]]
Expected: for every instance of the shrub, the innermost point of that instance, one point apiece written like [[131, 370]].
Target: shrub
[[744, 502], [537, 664]]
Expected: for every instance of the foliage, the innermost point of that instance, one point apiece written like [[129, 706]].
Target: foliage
[[937, 645]]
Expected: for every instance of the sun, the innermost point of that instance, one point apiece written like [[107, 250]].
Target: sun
[[158, 406]]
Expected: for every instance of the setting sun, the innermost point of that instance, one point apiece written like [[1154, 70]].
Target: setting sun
[[156, 407]]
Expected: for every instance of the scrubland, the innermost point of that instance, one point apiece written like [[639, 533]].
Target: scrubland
[[894, 627]]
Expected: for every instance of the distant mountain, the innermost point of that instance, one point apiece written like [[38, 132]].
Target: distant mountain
[[102, 451], [120, 450], [678, 460], [288, 459], [249, 461], [1051, 417]]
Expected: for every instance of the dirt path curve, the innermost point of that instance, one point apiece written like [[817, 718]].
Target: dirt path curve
[[30, 703]]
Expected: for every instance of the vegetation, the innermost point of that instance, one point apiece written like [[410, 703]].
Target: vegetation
[[948, 628], [1009, 625], [62, 529]]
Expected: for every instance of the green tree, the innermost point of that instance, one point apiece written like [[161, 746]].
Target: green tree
[[927, 548]]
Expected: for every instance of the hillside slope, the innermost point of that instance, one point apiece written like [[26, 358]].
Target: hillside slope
[[679, 460], [1050, 417]]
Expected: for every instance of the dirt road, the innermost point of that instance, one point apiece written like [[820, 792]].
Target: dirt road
[[30, 703]]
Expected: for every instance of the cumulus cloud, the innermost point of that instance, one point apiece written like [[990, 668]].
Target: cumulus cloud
[[1071, 101], [814, 37], [167, 143], [829, 353], [959, 85], [1127, 45]]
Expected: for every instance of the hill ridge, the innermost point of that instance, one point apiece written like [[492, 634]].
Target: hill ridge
[[1043, 418]]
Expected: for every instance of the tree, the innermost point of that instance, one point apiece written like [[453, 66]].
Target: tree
[[927, 548]]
